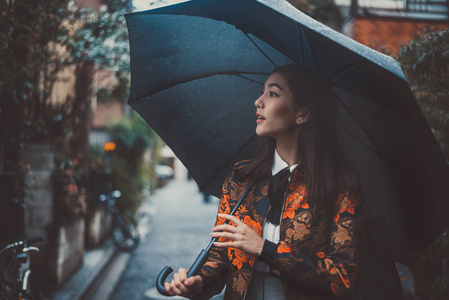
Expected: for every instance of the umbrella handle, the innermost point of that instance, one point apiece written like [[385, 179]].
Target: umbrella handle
[[161, 279], [194, 270]]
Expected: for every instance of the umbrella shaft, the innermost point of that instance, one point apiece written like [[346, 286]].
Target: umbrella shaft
[[198, 264]]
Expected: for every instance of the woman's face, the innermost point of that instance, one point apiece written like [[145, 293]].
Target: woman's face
[[276, 116]]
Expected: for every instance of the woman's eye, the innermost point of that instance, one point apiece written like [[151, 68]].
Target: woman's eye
[[273, 94]]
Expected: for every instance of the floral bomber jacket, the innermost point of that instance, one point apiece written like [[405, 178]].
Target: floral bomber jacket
[[311, 264]]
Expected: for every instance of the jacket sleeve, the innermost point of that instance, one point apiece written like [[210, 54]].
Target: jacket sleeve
[[329, 264], [215, 270]]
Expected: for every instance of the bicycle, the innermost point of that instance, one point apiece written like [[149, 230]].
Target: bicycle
[[125, 234], [16, 278]]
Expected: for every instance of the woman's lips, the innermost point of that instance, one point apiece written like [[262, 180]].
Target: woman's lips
[[259, 118]]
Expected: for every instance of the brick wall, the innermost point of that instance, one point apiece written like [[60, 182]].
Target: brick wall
[[390, 33]]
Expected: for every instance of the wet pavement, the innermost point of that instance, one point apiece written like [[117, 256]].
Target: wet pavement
[[176, 226]]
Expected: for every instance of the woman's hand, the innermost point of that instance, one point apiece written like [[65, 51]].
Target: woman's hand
[[241, 236], [183, 286]]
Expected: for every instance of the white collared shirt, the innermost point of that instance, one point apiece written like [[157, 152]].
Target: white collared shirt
[[271, 232]]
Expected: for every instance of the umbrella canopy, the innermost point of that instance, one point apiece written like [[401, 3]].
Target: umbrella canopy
[[197, 68]]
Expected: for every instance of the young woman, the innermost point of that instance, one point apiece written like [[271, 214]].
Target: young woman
[[297, 234]]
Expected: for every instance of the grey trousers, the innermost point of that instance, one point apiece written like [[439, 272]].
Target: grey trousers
[[264, 287]]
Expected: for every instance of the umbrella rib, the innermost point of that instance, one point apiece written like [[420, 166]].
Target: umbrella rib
[[354, 136], [303, 40], [249, 79], [226, 163], [302, 45], [360, 63], [312, 53], [282, 52], [257, 46], [370, 112], [235, 73], [375, 151], [360, 95]]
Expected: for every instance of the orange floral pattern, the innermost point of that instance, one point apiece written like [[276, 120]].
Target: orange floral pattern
[[295, 200], [238, 257], [346, 203], [241, 211], [224, 205], [341, 235], [284, 248], [239, 283], [257, 227]]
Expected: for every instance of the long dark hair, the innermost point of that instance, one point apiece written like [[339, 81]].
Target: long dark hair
[[326, 170]]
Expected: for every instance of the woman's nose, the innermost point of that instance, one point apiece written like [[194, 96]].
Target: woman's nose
[[258, 103]]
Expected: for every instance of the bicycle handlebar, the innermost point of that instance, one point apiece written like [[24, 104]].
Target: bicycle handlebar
[[22, 242]]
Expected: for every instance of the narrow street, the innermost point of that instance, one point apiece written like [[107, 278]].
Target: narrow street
[[175, 227]]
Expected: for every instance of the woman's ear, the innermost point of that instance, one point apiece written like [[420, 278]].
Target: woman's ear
[[303, 114]]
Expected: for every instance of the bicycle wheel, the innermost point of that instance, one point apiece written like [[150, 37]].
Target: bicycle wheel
[[125, 234], [7, 279], [5, 291], [33, 291]]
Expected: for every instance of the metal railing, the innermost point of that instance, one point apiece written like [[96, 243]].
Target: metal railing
[[437, 8]]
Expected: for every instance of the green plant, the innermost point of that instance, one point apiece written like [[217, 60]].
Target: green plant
[[425, 61], [38, 39], [132, 160], [30, 35]]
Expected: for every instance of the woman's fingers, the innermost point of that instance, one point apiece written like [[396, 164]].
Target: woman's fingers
[[180, 288], [231, 218], [168, 289], [227, 235], [194, 281], [183, 286], [182, 274], [240, 236], [173, 287], [227, 244], [226, 227]]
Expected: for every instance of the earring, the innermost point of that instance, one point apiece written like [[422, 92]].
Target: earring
[[299, 121]]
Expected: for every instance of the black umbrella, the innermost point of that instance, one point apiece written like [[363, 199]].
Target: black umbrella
[[197, 68]]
